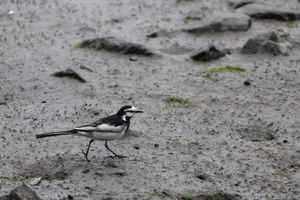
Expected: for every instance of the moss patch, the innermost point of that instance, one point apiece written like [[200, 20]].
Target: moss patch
[[172, 100], [295, 165], [18, 178], [283, 173], [218, 70], [4, 103], [203, 196], [291, 24], [188, 18]]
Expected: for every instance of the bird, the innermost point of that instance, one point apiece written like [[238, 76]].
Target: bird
[[106, 129]]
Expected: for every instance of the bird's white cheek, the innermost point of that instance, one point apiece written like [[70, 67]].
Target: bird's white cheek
[[129, 114]]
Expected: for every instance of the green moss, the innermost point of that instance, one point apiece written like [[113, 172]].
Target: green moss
[[93, 44], [177, 100], [218, 70], [17, 178], [178, 196], [188, 18], [205, 120], [176, 140], [77, 46], [295, 165], [291, 24], [82, 195], [4, 103], [283, 173]]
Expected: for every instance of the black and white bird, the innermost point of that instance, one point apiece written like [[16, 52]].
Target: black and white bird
[[106, 129]]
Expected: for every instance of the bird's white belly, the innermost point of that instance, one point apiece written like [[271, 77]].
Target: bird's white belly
[[104, 136]]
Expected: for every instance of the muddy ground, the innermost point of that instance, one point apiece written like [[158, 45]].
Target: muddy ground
[[232, 138]]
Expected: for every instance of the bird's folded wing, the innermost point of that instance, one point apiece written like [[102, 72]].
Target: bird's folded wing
[[100, 128]]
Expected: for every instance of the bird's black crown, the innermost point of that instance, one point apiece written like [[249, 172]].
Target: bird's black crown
[[122, 110]]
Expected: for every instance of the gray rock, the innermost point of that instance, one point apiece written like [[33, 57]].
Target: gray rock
[[271, 43], [22, 192], [261, 11], [115, 45], [161, 33], [239, 3], [222, 23], [207, 54]]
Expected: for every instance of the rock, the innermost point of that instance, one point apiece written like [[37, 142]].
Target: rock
[[161, 33], [261, 11], [270, 43], [36, 181], [115, 45], [247, 82], [222, 23], [69, 73], [22, 192], [207, 54], [239, 3]]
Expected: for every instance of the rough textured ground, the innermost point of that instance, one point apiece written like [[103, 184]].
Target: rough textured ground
[[233, 138]]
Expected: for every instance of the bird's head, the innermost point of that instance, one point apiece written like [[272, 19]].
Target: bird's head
[[128, 111]]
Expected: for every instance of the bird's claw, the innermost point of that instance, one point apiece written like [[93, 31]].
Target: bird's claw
[[85, 155]]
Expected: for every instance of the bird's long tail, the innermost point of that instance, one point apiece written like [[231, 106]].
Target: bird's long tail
[[69, 132]]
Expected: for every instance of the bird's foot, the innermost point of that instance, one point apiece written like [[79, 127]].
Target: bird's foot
[[85, 155]]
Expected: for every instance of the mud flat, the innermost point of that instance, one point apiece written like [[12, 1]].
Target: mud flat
[[218, 127]]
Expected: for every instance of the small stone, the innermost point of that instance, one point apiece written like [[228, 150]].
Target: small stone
[[136, 146], [85, 171], [247, 83], [36, 181], [133, 59], [207, 54], [70, 197], [156, 145], [285, 141]]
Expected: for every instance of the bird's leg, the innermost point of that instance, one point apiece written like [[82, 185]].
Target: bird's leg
[[116, 155], [85, 153]]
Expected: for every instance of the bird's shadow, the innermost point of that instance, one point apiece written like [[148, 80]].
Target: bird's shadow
[[60, 167]]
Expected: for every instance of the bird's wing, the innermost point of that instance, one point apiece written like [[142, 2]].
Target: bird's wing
[[111, 123], [101, 128]]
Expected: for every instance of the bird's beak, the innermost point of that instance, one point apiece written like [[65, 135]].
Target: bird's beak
[[134, 110], [138, 111]]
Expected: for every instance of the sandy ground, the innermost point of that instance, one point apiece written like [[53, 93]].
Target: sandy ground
[[233, 138]]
